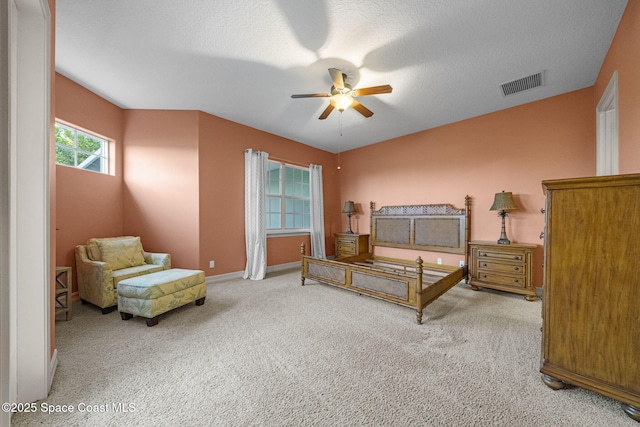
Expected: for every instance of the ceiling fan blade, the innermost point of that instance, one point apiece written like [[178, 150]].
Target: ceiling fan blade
[[361, 109], [374, 90], [326, 112], [336, 78], [311, 95]]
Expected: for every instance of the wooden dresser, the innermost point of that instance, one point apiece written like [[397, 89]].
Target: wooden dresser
[[591, 291], [503, 267], [351, 244]]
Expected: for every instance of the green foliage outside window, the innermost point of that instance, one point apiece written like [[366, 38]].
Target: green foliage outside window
[[81, 150]]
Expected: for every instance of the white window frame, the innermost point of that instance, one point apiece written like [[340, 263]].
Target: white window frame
[[607, 161], [283, 231], [102, 154]]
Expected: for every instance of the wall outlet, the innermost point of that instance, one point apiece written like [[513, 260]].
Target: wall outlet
[[439, 260], [461, 263], [212, 264]]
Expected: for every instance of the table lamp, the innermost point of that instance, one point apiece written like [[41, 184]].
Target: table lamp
[[349, 209], [503, 202]]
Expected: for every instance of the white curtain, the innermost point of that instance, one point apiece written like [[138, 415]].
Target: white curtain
[[255, 223], [317, 212]]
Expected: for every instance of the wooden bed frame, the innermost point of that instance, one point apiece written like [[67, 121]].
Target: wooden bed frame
[[414, 284]]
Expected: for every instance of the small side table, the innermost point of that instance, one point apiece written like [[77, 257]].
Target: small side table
[[350, 244], [503, 267], [63, 291]]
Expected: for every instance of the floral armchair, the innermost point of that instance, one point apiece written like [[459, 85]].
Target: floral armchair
[[102, 263]]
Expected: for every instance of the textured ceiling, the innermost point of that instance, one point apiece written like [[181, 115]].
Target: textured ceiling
[[242, 60]]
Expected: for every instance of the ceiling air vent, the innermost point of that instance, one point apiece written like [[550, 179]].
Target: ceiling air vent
[[520, 85]]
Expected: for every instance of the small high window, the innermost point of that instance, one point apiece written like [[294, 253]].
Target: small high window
[[82, 150]]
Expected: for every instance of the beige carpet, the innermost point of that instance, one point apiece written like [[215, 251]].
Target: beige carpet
[[273, 353]]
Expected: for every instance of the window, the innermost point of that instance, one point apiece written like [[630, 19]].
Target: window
[[81, 150], [288, 199]]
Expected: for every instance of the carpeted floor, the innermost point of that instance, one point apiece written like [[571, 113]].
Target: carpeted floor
[[273, 353]]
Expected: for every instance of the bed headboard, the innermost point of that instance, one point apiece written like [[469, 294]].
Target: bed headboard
[[435, 228]]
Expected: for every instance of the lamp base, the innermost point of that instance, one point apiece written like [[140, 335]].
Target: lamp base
[[503, 233], [349, 231]]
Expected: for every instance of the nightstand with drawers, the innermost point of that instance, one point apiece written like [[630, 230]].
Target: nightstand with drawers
[[351, 244], [503, 267]]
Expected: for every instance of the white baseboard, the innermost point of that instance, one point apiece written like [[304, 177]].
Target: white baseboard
[[238, 274], [53, 365]]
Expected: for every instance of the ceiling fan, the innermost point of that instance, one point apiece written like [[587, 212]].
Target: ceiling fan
[[342, 95]]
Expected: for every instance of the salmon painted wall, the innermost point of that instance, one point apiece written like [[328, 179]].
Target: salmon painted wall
[[161, 182], [624, 57], [88, 204], [511, 150], [222, 146]]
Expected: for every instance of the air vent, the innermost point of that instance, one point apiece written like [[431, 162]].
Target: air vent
[[520, 85]]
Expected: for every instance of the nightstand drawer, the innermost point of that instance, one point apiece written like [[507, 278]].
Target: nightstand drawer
[[497, 267], [515, 281], [501, 255], [346, 248]]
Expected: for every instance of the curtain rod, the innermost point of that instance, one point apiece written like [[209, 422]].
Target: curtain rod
[[289, 161]]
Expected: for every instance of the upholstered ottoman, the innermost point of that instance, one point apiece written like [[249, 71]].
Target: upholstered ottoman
[[154, 294]]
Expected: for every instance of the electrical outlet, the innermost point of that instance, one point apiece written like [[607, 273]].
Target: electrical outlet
[[461, 263], [439, 260], [212, 264]]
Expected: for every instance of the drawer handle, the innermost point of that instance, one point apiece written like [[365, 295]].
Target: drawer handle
[[484, 264], [484, 276], [516, 281], [516, 268], [516, 257]]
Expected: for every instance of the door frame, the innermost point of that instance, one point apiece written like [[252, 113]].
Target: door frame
[[26, 362]]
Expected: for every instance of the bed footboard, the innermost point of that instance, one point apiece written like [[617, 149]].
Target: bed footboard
[[435, 228], [409, 285]]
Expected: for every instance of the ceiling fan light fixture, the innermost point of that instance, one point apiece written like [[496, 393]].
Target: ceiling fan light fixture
[[341, 101]]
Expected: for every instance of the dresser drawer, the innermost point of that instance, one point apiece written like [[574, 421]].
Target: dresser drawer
[[497, 267]]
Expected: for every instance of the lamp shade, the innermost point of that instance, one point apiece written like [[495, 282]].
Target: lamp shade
[[503, 202], [349, 207]]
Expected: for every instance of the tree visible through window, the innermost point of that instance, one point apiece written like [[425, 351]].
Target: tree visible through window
[[80, 149], [288, 198]]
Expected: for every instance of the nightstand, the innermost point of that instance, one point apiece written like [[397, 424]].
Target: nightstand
[[503, 267], [351, 244]]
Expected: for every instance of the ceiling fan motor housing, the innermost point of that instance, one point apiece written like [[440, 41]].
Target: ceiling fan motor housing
[[346, 90]]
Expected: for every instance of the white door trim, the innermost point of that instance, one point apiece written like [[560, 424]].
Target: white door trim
[[25, 282], [607, 130]]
